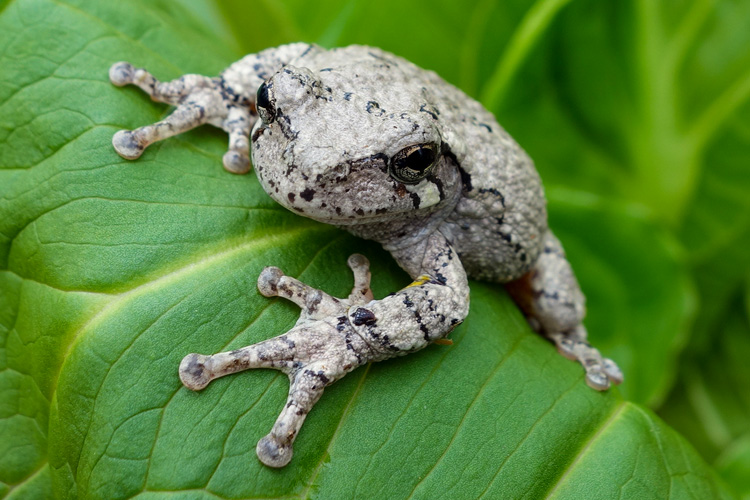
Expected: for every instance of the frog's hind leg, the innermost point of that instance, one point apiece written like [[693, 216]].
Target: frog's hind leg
[[199, 100], [552, 300]]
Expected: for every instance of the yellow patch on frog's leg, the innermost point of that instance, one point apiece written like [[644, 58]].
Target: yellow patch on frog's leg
[[419, 281]]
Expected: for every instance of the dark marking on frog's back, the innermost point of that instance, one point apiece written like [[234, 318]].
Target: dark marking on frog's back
[[374, 108], [433, 112], [495, 193], [364, 316], [465, 178]]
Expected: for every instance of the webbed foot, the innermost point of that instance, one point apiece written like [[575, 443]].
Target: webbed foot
[[600, 371], [319, 350], [199, 100]]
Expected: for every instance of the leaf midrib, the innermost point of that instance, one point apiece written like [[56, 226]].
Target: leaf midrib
[[593, 437]]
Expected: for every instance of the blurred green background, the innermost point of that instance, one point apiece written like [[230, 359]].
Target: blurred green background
[[636, 112]]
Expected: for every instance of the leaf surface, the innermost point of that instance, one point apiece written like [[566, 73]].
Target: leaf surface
[[112, 271]]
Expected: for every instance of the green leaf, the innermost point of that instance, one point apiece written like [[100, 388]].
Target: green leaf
[[111, 271], [712, 404], [717, 228], [734, 465]]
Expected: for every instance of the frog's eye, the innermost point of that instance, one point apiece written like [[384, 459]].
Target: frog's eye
[[413, 163], [264, 103]]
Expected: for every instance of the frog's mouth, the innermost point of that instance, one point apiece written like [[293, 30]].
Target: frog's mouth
[[357, 191], [361, 201]]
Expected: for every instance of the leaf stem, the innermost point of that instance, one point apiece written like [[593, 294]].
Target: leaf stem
[[531, 28], [665, 162], [720, 110], [686, 33]]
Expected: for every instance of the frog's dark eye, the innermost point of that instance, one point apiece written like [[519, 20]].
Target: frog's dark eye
[[413, 163], [265, 104]]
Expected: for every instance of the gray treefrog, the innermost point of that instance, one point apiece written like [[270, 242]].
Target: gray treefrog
[[362, 139]]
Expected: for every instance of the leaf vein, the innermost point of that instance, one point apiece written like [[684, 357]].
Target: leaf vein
[[593, 437], [490, 377]]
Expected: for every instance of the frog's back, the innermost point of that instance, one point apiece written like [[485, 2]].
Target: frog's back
[[500, 219], [498, 223]]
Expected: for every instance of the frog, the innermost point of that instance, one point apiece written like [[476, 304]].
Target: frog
[[364, 140]]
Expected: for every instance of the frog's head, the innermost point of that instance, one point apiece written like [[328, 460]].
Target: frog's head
[[352, 144]]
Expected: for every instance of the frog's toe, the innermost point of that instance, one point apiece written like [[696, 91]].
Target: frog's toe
[[127, 144], [236, 162], [193, 372], [613, 371], [121, 73], [600, 372], [315, 304], [596, 379], [273, 453], [566, 347], [360, 266], [268, 281]]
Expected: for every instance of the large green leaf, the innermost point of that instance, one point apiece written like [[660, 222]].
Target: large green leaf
[[111, 271]]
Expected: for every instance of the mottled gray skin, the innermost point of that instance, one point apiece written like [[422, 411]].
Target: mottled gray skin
[[330, 143]]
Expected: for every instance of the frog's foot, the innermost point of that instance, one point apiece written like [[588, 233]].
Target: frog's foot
[[199, 100], [316, 304], [290, 353], [315, 353], [552, 301], [600, 371]]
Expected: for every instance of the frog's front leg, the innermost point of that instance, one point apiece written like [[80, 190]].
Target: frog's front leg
[[199, 100], [333, 335], [226, 101], [551, 298], [320, 349]]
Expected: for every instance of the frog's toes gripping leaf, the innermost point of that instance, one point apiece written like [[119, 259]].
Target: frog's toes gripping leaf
[[320, 349], [199, 100]]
